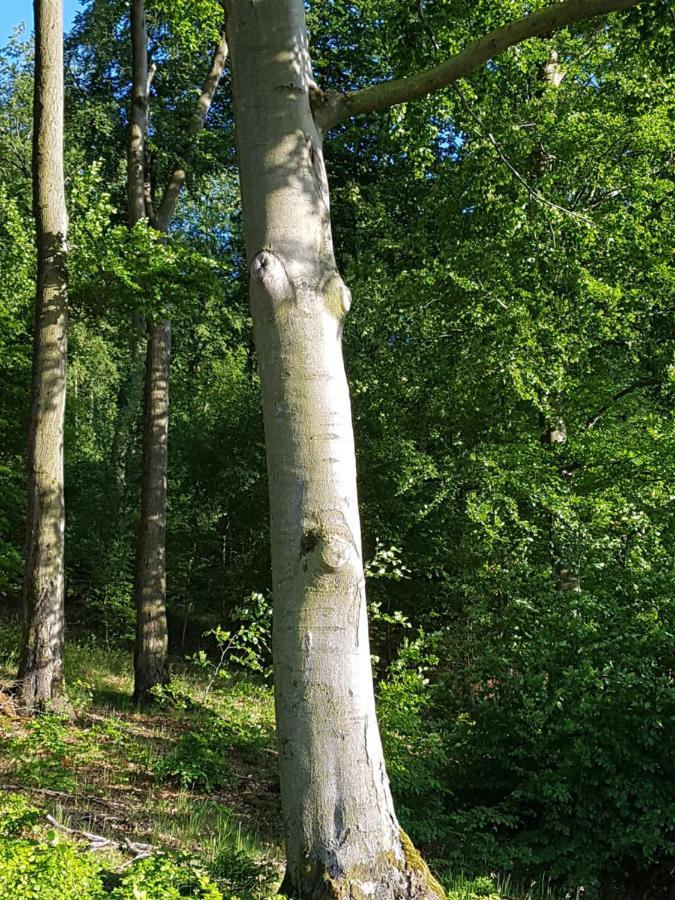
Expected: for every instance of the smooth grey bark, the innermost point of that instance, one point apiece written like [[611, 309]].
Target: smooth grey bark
[[40, 677], [152, 644], [341, 833], [138, 129], [151, 648]]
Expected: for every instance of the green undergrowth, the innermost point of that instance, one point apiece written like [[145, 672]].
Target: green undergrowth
[[192, 779]]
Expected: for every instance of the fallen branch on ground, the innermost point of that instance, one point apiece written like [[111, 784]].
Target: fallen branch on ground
[[99, 842]]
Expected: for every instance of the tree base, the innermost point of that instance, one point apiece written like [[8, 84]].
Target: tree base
[[388, 878], [151, 670], [30, 697], [145, 694]]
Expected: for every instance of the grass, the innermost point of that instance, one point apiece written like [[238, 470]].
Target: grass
[[498, 887], [195, 776]]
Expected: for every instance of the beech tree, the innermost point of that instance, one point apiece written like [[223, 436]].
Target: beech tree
[[41, 664], [342, 836]]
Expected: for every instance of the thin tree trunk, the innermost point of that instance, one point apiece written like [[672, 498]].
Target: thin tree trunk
[[342, 836], [129, 404], [554, 434], [41, 681], [138, 130], [152, 644], [151, 651]]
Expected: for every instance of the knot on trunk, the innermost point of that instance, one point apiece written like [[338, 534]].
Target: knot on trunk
[[268, 271], [332, 539], [309, 541], [337, 296]]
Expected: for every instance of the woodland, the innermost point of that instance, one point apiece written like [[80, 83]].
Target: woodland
[[337, 451]]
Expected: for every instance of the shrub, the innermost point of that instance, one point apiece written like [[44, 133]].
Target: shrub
[[36, 871], [165, 876], [39, 864], [35, 864], [413, 744], [198, 759], [238, 874], [551, 753]]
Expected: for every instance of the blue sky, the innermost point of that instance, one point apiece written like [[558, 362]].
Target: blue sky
[[12, 12]]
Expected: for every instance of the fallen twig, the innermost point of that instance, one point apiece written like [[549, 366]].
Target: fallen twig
[[96, 841], [99, 842]]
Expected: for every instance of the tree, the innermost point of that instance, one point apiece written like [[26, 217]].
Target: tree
[[342, 836], [41, 665], [151, 648]]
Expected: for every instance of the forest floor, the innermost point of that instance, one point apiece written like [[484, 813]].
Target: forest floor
[[189, 786], [196, 775]]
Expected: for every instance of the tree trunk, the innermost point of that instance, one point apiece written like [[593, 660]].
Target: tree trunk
[[151, 648], [129, 403], [138, 130], [151, 651], [41, 667], [551, 75], [341, 832]]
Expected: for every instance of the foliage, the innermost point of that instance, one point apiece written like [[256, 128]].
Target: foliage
[[547, 762], [42, 757], [249, 646], [165, 875], [40, 867], [200, 756], [413, 743], [38, 864], [48, 754], [508, 245], [38, 872]]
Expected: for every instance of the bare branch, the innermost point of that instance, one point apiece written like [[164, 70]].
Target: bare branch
[[533, 192], [99, 842], [331, 108], [167, 207]]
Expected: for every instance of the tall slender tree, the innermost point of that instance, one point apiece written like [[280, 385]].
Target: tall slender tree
[[40, 676], [554, 433], [342, 836], [151, 648]]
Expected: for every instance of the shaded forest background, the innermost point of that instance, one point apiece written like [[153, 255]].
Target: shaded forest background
[[510, 356]]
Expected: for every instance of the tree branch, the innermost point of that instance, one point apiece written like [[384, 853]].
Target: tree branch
[[593, 420], [332, 108], [174, 185], [152, 71], [533, 192], [138, 130]]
